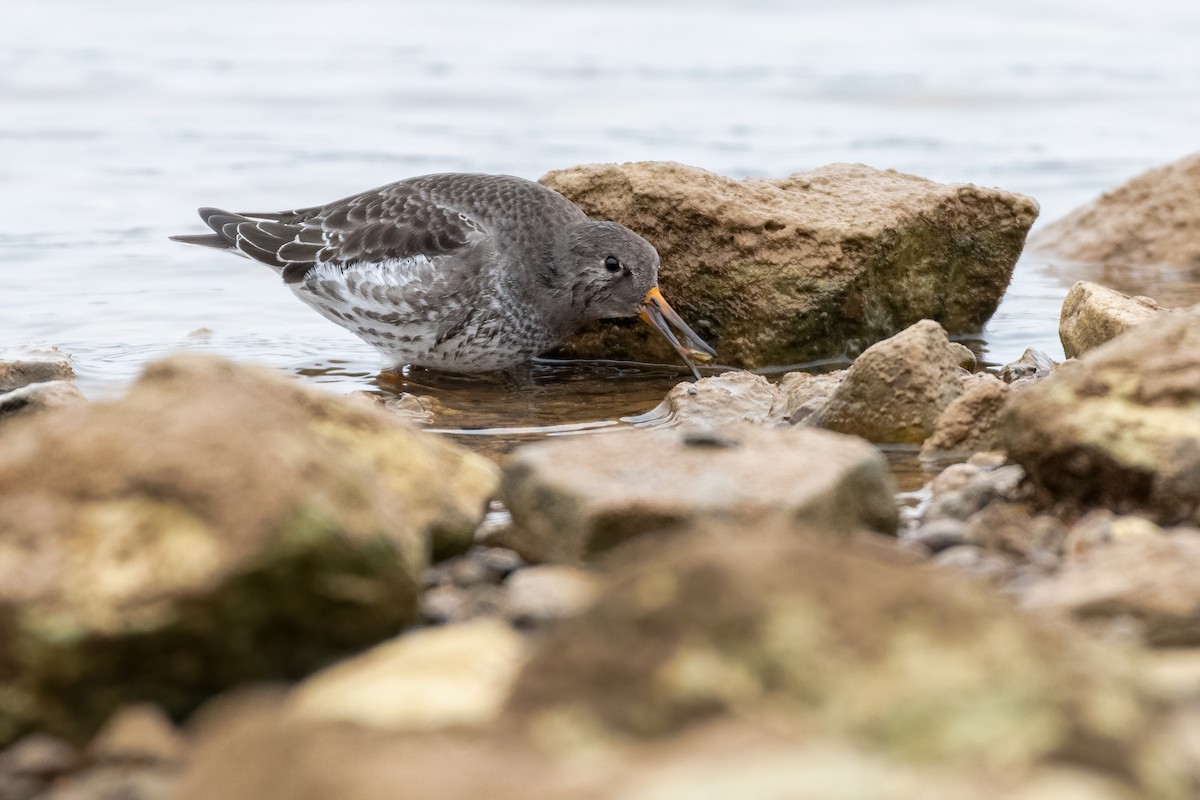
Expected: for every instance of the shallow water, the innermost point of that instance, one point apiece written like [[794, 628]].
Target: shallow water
[[118, 119]]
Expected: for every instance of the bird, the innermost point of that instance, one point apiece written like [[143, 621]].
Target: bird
[[458, 272]]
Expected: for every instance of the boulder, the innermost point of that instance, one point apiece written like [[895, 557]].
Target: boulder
[[39, 397], [820, 638], [22, 372], [810, 266], [219, 524], [1149, 579], [454, 676], [970, 423], [1120, 427], [1150, 220], [573, 497], [898, 388], [1092, 314]]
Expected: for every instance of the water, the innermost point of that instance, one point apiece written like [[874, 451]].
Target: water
[[117, 119]]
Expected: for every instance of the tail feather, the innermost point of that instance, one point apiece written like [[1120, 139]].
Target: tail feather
[[224, 226], [203, 240]]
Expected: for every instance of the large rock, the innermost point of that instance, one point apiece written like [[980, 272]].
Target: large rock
[[1093, 314], [804, 267], [897, 389], [574, 497], [825, 640], [1150, 220], [1119, 427], [1150, 579], [219, 524]]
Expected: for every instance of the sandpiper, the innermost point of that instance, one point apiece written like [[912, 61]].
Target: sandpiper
[[458, 272]]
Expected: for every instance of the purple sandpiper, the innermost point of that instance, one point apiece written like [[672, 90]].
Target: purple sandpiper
[[458, 272]]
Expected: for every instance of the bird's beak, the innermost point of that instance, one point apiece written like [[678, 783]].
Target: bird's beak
[[657, 313]]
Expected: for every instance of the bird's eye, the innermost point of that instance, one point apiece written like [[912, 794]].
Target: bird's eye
[[612, 264]]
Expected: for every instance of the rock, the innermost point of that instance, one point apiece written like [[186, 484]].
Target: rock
[[573, 497], [450, 603], [804, 267], [961, 490], [454, 676], [939, 534], [22, 372], [805, 396], [540, 594], [1033, 365], [116, 783], [1093, 314], [250, 527], [409, 407], [39, 397], [971, 422], [39, 755], [1120, 427], [1151, 580], [732, 398], [1012, 528], [896, 390], [975, 562], [1102, 527], [1150, 220], [140, 733], [815, 637]]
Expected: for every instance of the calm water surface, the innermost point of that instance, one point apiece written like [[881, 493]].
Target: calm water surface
[[118, 119]]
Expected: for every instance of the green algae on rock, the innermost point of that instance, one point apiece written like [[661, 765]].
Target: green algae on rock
[[219, 524], [810, 266]]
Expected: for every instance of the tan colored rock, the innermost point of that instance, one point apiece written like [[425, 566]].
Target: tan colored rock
[[22, 372], [546, 592], [1148, 221], [804, 267], [971, 422], [574, 497], [38, 397], [804, 396], [729, 399], [820, 638], [1032, 366], [139, 733], [1093, 314], [896, 390], [218, 524], [1101, 527], [1151, 580], [448, 677], [1120, 427]]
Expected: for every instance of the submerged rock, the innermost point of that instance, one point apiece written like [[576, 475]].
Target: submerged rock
[[804, 267], [574, 497], [731, 398], [1120, 427], [1148, 221], [219, 524], [1092, 314], [897, 389]]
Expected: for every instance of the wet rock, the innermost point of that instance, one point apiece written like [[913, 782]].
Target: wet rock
[[540, 594], [38, 397], [691, 630], [804, 267], [896, 390], [1014, 529], [409, 407], [1033, 365], [450, 603], [1120, 427], [804, 396], [1150, 220], [1151, 580], [975, 562], [22, 372], [224, 514], [574, 497], [1093, 314], [454, 676], [1102, 527], [962, 490], [939, 535], [971, 422], [732, 398], [139, 734]]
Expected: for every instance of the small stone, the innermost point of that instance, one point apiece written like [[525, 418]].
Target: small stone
[[939, 535], [37, 397], [964, 356], [1033, 365], [804, 395], [971, 422], [39, 755], [1102, 527], [976, 563], [17, 373], [139, 734], [443, 604], [1093, 314], [729, 399], [543, 593], [500, 560]]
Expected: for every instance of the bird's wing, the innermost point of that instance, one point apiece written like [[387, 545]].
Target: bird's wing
[[398, 221]]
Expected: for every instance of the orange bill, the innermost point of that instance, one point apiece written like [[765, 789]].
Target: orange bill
[[658, 314]]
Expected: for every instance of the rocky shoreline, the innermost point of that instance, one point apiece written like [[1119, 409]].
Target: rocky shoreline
[[226, 584]]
